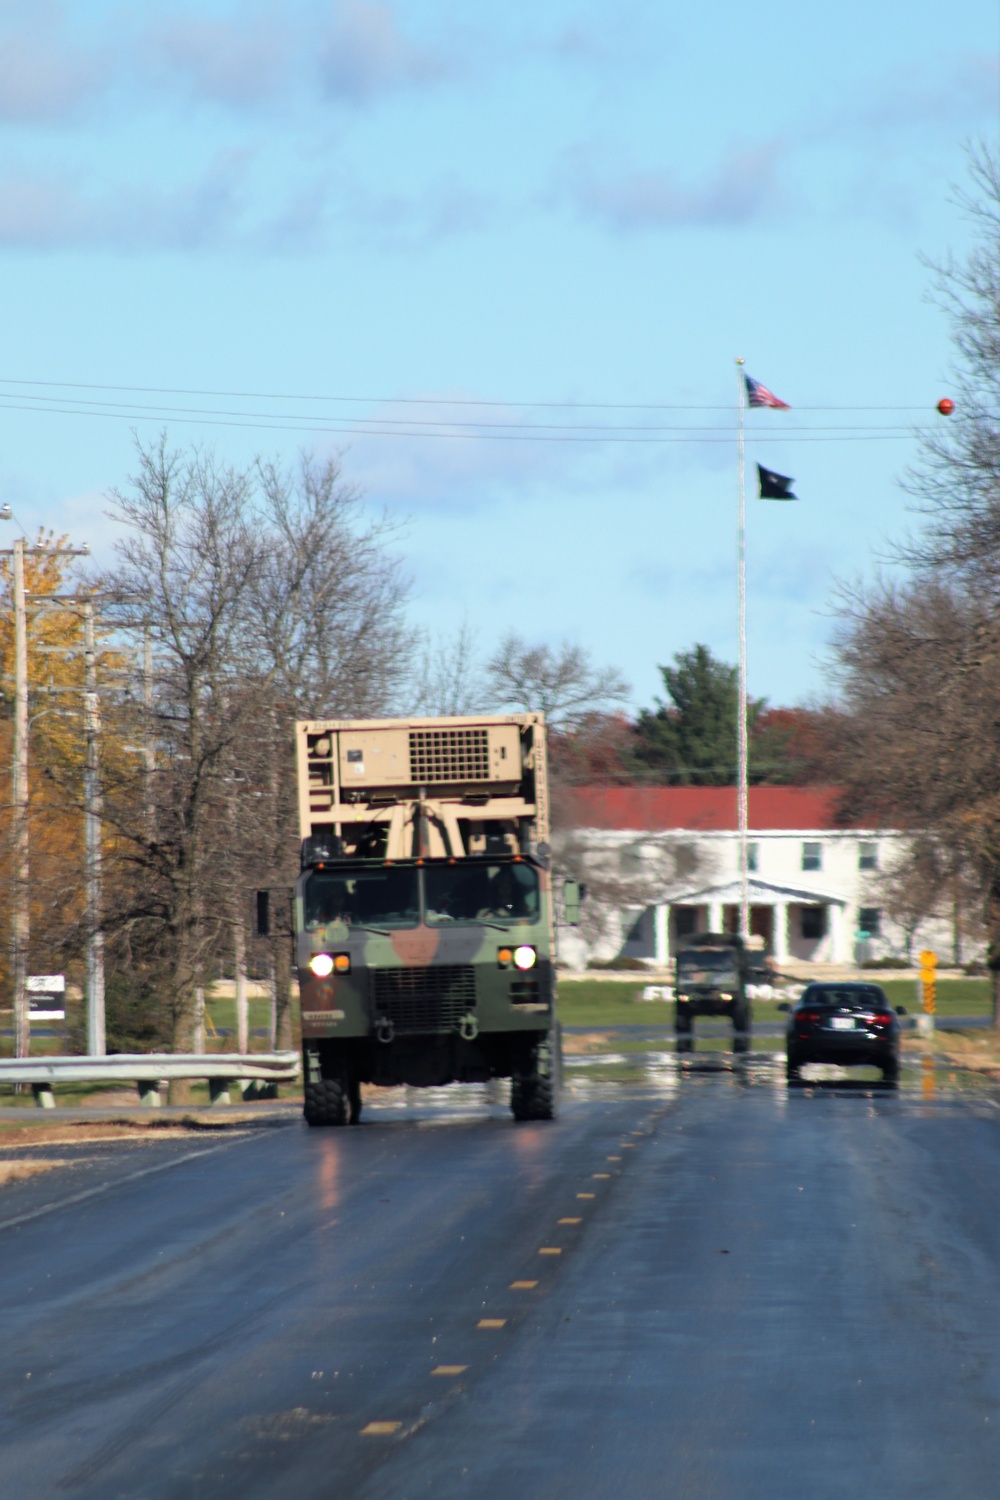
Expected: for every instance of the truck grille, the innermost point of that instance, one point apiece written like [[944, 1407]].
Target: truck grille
[[431, 999], [438, 755]]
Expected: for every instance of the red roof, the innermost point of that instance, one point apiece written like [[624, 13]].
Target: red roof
[[708, 808]]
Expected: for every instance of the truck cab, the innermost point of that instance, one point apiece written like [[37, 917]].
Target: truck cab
[[714, 972]]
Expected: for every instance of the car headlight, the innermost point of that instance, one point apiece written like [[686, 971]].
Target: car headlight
[[524, 957]]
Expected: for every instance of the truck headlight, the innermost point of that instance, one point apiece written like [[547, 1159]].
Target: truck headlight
[[725, 996], [324, 964], [524, 957]]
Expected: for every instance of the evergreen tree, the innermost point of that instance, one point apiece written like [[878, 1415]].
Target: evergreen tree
[[690, 739]]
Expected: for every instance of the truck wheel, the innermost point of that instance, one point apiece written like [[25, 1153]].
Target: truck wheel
[[684, 1031], [326, 1102], [533, 1094], [354, 1101], [532, 1098], [741, 1029]]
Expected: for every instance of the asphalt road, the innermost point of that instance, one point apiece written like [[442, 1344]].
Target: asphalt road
[[756, 1295]]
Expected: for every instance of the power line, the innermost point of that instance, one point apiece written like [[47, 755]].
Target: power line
[[470, 432], [154, 390]]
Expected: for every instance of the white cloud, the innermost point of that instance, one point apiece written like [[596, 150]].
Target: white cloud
[[367, 53], [241, 62], [742, 188], [46, 74], [44, 211]]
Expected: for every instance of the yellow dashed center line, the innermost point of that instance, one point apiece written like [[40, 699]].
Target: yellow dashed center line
[[491, 1322], [612, 1158], [600, 1176], [380, 1429], [571, 1221], [628, 1145], [550, 1250], [586, 1195], [522, 1286], [449, 1369]]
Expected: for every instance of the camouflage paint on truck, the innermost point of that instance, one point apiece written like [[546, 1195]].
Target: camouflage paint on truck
[[423, 913]]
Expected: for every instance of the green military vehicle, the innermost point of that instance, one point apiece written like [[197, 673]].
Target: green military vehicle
[[714, 972], [423, 913]]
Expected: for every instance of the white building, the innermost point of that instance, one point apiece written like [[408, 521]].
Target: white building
[[662, 863]]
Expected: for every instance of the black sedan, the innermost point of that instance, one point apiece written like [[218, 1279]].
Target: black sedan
[[843, 1023]]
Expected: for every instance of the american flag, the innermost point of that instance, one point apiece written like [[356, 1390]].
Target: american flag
[[759, 395]]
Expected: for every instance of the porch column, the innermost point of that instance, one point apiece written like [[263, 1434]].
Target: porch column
[[780, 943], [715, 916], [835, 927], [661, 935]]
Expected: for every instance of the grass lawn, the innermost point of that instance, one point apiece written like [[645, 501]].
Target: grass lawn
[[601, 1002]]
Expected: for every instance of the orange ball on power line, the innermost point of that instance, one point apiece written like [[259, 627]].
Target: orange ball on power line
[[946, 406]]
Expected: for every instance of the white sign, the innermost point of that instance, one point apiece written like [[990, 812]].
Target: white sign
[[46, 997]]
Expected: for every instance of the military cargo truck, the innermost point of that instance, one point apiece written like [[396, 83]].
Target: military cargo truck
[[423, 913], [714, 971]]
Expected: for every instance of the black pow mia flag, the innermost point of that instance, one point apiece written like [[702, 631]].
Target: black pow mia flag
[[774, 486]]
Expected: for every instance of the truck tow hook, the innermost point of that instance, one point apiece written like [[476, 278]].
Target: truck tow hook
[[469, 1028], [384, 1029]]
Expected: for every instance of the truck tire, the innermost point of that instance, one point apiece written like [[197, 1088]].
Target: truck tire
[[533, 1094], [741, 1029], [532, 1098], [326, 1102], [354, 1101], [683, 1028]]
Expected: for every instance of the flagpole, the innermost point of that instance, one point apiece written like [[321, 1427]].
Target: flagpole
[[741, 713]]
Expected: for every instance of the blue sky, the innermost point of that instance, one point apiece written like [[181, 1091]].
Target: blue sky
[[441, 204]]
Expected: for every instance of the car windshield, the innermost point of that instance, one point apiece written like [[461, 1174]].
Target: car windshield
[[469, 892], [717, 960], [846, 997], [386, 897]]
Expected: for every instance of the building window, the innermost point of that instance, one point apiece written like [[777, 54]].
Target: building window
[[812, 856], [870, 921], [814, 921], [868, 856], [685, 921], [752, 857]]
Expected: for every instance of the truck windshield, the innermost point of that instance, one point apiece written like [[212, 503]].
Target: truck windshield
[[470, 892], [709, 960], [361, 898]]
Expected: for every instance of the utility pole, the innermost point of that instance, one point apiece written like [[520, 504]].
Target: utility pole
[[22, 915], [148, 746], [96, 1041]]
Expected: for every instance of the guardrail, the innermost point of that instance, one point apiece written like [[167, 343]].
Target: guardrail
[[256, 1074]]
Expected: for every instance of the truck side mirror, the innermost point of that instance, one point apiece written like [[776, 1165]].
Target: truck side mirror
[[573, 894], [262, 914]]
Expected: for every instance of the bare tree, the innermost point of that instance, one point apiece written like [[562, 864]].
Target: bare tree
[[563, 683], [627, 880], [268, 596], [324, 615], [956, 484], [449, 677], [185, 567]]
